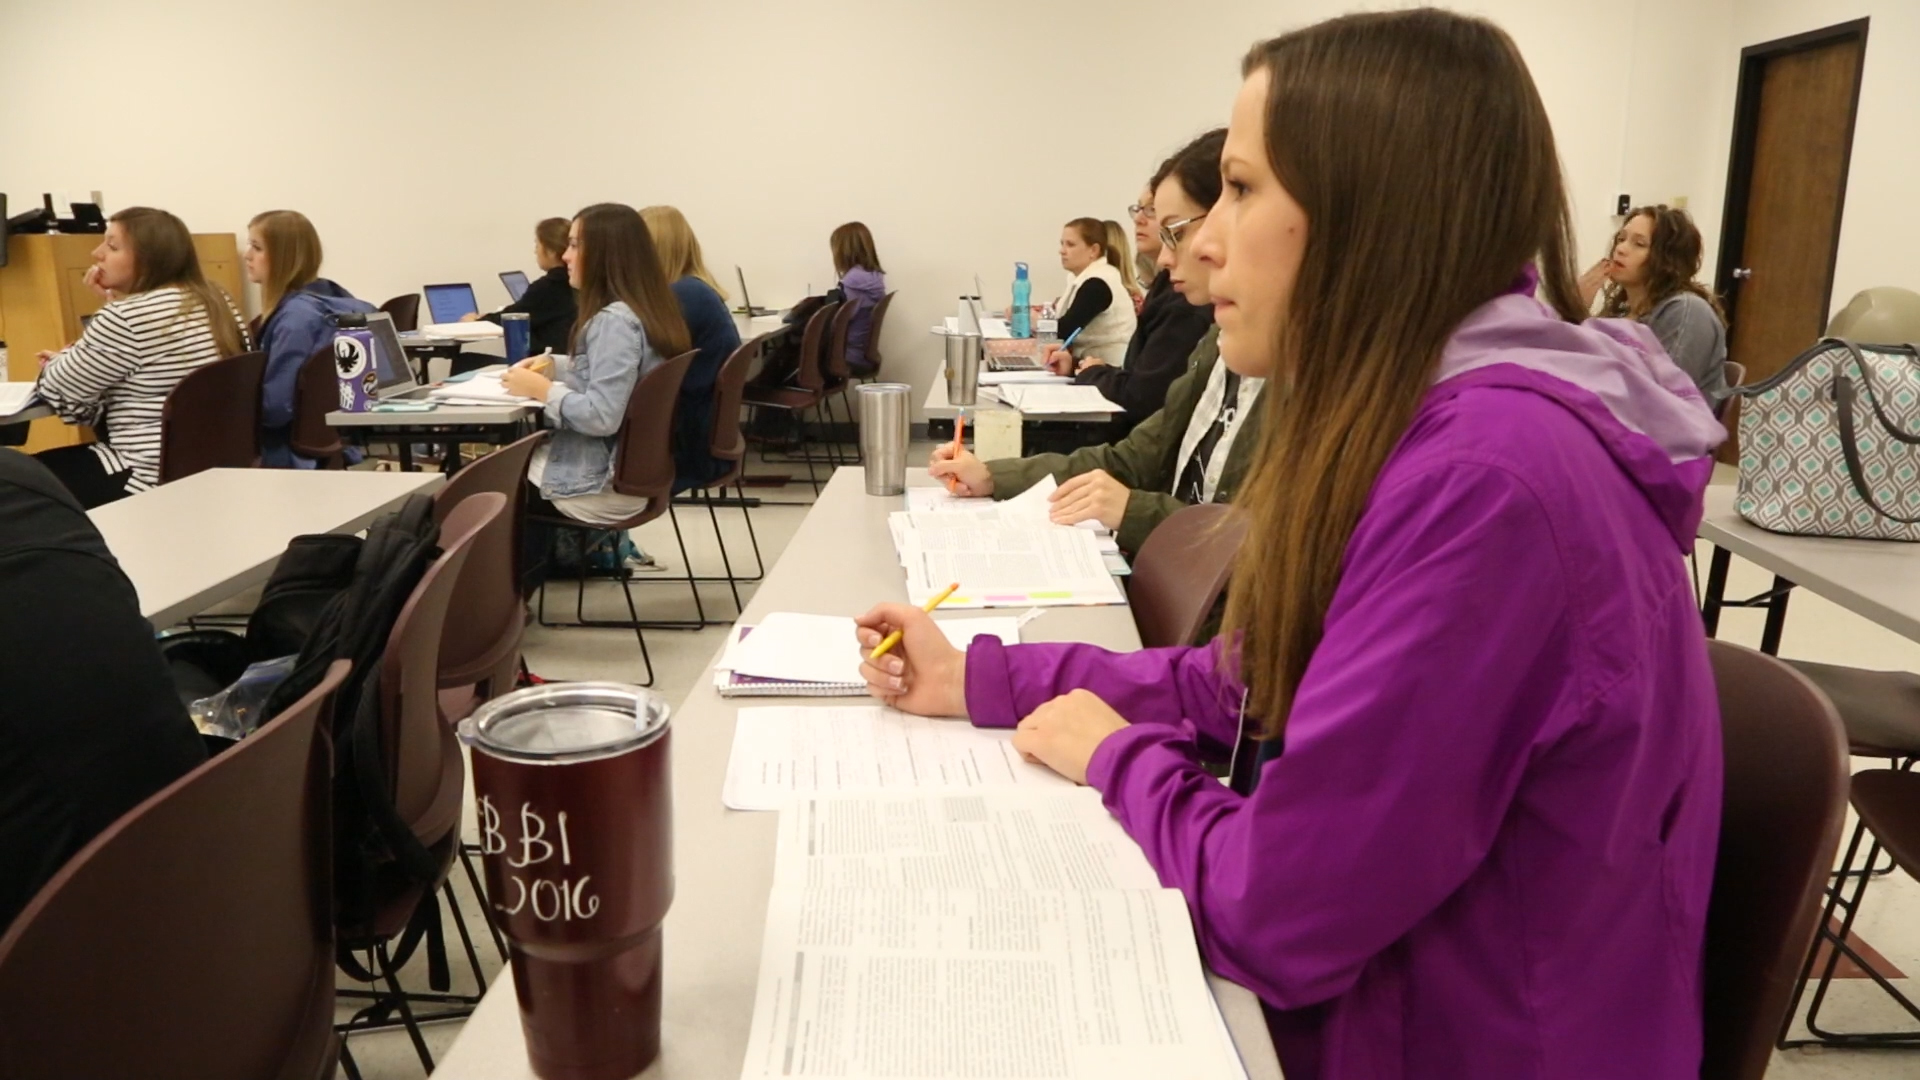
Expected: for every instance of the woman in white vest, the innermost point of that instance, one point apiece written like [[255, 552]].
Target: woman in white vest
[[1096, 302]]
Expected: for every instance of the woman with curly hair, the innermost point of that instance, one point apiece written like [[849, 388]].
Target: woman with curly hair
[[1650, 278]]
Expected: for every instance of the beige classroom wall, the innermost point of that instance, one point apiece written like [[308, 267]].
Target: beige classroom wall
[[425, 138]]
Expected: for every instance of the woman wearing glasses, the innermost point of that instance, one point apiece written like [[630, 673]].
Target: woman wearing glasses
[[1171, 323], [1195, 449]]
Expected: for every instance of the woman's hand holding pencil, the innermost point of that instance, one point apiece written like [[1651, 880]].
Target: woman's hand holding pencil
[[909, 664]]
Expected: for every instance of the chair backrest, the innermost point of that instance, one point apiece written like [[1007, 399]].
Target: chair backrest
[[486, 616], [871, 366], [812, 374], [193, 936], [729, 443], [405, 311], [211, 420], [422, 754], [643, 454], [1181, 571], [836, 361], [1784, 801], [316, 392]]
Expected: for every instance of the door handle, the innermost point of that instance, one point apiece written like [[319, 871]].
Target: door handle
[[1742, 274]]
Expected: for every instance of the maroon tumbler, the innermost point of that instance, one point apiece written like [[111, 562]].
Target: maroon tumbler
[[576, 821]]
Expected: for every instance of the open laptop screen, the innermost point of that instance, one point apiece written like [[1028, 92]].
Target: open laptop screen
[[389, 356], [516, 283], [446, 303]]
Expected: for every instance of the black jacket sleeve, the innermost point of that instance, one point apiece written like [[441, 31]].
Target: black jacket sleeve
[[1158, 356], [1093, 298], [548, 304]]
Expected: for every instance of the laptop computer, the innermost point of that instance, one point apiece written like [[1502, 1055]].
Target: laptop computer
[[394, 378], [447, 303], [516, 283], [746, 300]]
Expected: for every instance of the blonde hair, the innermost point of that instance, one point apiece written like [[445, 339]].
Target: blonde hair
[[679, 249], [164, 257], [1118, 255], [293, 255]]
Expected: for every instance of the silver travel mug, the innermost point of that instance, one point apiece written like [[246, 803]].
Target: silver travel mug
[[883, 437], [963, 369]]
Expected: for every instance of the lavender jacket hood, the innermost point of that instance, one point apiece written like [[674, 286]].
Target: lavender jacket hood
[[1487, 846]]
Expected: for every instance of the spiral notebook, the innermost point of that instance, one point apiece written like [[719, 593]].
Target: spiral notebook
[[841, 676]]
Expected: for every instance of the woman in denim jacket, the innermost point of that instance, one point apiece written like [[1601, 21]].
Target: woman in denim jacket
[[628, 324]]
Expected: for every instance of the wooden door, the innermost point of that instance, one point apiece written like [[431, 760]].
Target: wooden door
[[1786, 188]]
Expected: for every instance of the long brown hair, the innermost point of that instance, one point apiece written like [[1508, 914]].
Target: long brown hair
[[852, 246], [293, 256], [678, 248], [1673, 262], [617, 262], [1119, 256], [1418, 148], [163, 257]]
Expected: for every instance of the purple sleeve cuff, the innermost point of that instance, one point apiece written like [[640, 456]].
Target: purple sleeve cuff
[[989, 692], [1135, 746]]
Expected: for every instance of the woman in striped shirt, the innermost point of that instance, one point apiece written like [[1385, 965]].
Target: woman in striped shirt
[[163, 320]]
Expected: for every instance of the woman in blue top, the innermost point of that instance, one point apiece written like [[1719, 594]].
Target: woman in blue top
[[863, 284], [703, 303], [283, 258], [629, 324]]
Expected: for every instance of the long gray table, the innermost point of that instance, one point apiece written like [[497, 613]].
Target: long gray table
[[1876, 579], [840, 562], [195, 542]]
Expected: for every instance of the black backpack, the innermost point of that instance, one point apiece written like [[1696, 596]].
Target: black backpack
[[374, 852]]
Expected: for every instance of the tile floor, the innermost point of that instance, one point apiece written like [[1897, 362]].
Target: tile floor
[[1815, 629]]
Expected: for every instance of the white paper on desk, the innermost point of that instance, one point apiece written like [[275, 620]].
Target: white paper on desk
[[484, 388], [789, 750], [1009, 565], [995, 328], [1103, 984], [823, 648], [1035, 505], [998, 840], [1046, 399], [1002, 378], [15, 396]]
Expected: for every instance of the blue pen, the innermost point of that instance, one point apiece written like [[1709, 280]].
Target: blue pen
[[1068, 344]]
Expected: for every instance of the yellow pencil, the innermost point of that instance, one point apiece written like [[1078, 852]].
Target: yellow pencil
[[893, 639]]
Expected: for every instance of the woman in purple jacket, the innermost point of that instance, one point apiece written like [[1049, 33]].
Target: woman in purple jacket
[[1478, 836], [862, 284]]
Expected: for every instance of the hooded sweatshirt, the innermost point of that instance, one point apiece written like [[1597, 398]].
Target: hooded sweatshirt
[[299, 326], [1487, 845]]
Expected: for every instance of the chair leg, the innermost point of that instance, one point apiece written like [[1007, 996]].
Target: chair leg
[[406, 1010], [1838, 946], [347, 1064], [859, 456], [806, 451], [759, 565], [733, 583], [640, 634], [693, 586]]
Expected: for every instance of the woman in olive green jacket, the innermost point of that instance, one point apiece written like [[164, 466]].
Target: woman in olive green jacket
[[1172, 459]]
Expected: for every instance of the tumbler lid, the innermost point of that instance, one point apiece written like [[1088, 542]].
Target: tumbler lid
[[567, 722]]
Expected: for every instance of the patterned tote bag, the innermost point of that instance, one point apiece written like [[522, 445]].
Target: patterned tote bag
[[1831, 445]]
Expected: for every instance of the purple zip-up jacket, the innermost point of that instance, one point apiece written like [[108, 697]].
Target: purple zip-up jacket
[[1487, 848]]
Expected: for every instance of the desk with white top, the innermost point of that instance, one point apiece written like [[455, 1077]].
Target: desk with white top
[[36, 411], [1876, 579], [840, 562], [197, 541]]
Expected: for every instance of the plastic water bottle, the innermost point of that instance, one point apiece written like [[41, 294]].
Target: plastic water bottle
[[1022, 302]]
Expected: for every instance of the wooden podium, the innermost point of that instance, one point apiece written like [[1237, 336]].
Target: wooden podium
[[43, 296]]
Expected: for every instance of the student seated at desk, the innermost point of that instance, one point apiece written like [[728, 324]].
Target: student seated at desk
[[548, 302], [91, 723], [862, 283], [1476, 832], [283, 258], [1117, 242], [1195, 449], [1096, 304], [1650, 277], [1171, 324], [629, 325], [703, 304], [162, 320]]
